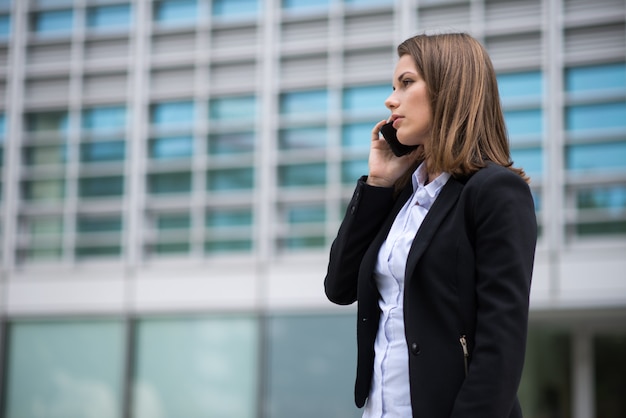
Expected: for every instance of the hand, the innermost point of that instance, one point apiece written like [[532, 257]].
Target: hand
[[385, 168]]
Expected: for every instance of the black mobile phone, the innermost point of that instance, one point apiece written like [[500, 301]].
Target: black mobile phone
[[389, 133]]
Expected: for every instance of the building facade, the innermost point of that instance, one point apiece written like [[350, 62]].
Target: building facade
[[173, 173]]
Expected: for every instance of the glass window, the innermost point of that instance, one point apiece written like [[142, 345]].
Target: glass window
[[47, 122], [601, 228], [171, 147], [596, 157], [530, 159], [312, 174], [235, 8], [231, 143], [306, 214], [596, 116], [240, 109], [45, 155], [104, 119], [53, 22], [166, 222], [226, 218], [357, 135], [305, 4], [311, 360], [230, 179], [175, 11], [44, 190], [98, 224], [109, 17], [526, 85], [352, 170], [65, 368], [304, 103], [173, 114], [524, 123], [45, 226], [5, 26], [3, 127], [366, 98], [610, 198], [303, 138], [93, 152], [609, 77], [228, 245], [101, 186], [196, 367], [169, 183], [99, 250]]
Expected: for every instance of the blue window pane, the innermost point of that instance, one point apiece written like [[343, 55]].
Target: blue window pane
[[597, 157], [169, 183], [303, 138], [90, 225], [306, 214], [598, 116], [597, 77], [367, 2], [173, 114], [101, 186], [366, 98], [235, 8], [357, 135], [527, 85], [103, 151], [176, 11], [53, 22], [104, 119], [611, 198], [47, 122], [241, 109], [530, 159], [219, 218], [351, 171], [305, 4], [230, 179], [109, 17], [173, 221], [313, 174], [5, 26], [173, 147], [3, 127], [233, 245], [304, 102], [231, 143], [524, 122]]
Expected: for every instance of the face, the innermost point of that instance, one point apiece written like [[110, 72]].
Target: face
[[409, 104]]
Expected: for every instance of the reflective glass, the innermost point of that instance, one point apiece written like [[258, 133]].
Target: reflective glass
[[601, 228], [304, 103], [175, 11], [231, 143], [5, 26], [45, 154], [530, 159], [611, 198], [303, 242], [231, 245], [366, 98], [101, 186], [303, 138], [173, 221], [526, 85], [524, 122], [196, 367], [46, 252], [357, 135], [44, 190], [104, 119], [609, 77], [237, 109], [352, 170], [596, 157], [53, 22], [171, 147], [65, 369], [230, 179], [93, 152], [3, 127], [47, 122], [45, 226], [173, 114], [306, 214], [312, 174], [172, 247], [169, 183], [109, 17], [596, 116], [92, 251], [224, 218], [235, 8], [305, 4], [367, 2], [311, 361], [92, 224]]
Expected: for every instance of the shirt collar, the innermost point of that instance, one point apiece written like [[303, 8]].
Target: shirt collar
[[420, 176]]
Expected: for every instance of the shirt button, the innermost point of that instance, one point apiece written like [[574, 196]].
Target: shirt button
[[415, 349]]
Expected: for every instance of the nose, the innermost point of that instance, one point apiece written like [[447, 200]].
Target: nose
[[391, 102]]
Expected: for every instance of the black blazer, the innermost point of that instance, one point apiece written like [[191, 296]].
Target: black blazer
[[468, 273]]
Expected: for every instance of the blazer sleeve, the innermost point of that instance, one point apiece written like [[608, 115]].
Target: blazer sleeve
[[367, 210], [505, 234]]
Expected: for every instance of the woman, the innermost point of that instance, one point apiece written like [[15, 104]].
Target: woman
[[437, 246]]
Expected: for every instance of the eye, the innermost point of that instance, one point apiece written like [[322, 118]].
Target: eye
[[406, 82]]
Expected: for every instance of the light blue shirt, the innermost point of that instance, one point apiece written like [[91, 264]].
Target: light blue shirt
[[390, 393]]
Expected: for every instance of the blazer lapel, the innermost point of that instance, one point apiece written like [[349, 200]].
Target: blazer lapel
[[443, 204]]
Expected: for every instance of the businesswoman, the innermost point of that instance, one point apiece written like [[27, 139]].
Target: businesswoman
[[437, 245]]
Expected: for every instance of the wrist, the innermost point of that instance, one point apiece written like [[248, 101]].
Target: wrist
[[378, 182]]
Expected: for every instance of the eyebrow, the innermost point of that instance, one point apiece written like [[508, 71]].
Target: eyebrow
[[405, 73]]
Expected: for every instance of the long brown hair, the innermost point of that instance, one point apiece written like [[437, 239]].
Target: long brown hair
[[468, 127]]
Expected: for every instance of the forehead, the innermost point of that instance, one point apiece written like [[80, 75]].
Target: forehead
[[405, 63]]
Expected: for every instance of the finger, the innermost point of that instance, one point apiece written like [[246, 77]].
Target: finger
[[376, 130]]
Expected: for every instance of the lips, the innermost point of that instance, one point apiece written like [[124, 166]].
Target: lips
[[396, 121]]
